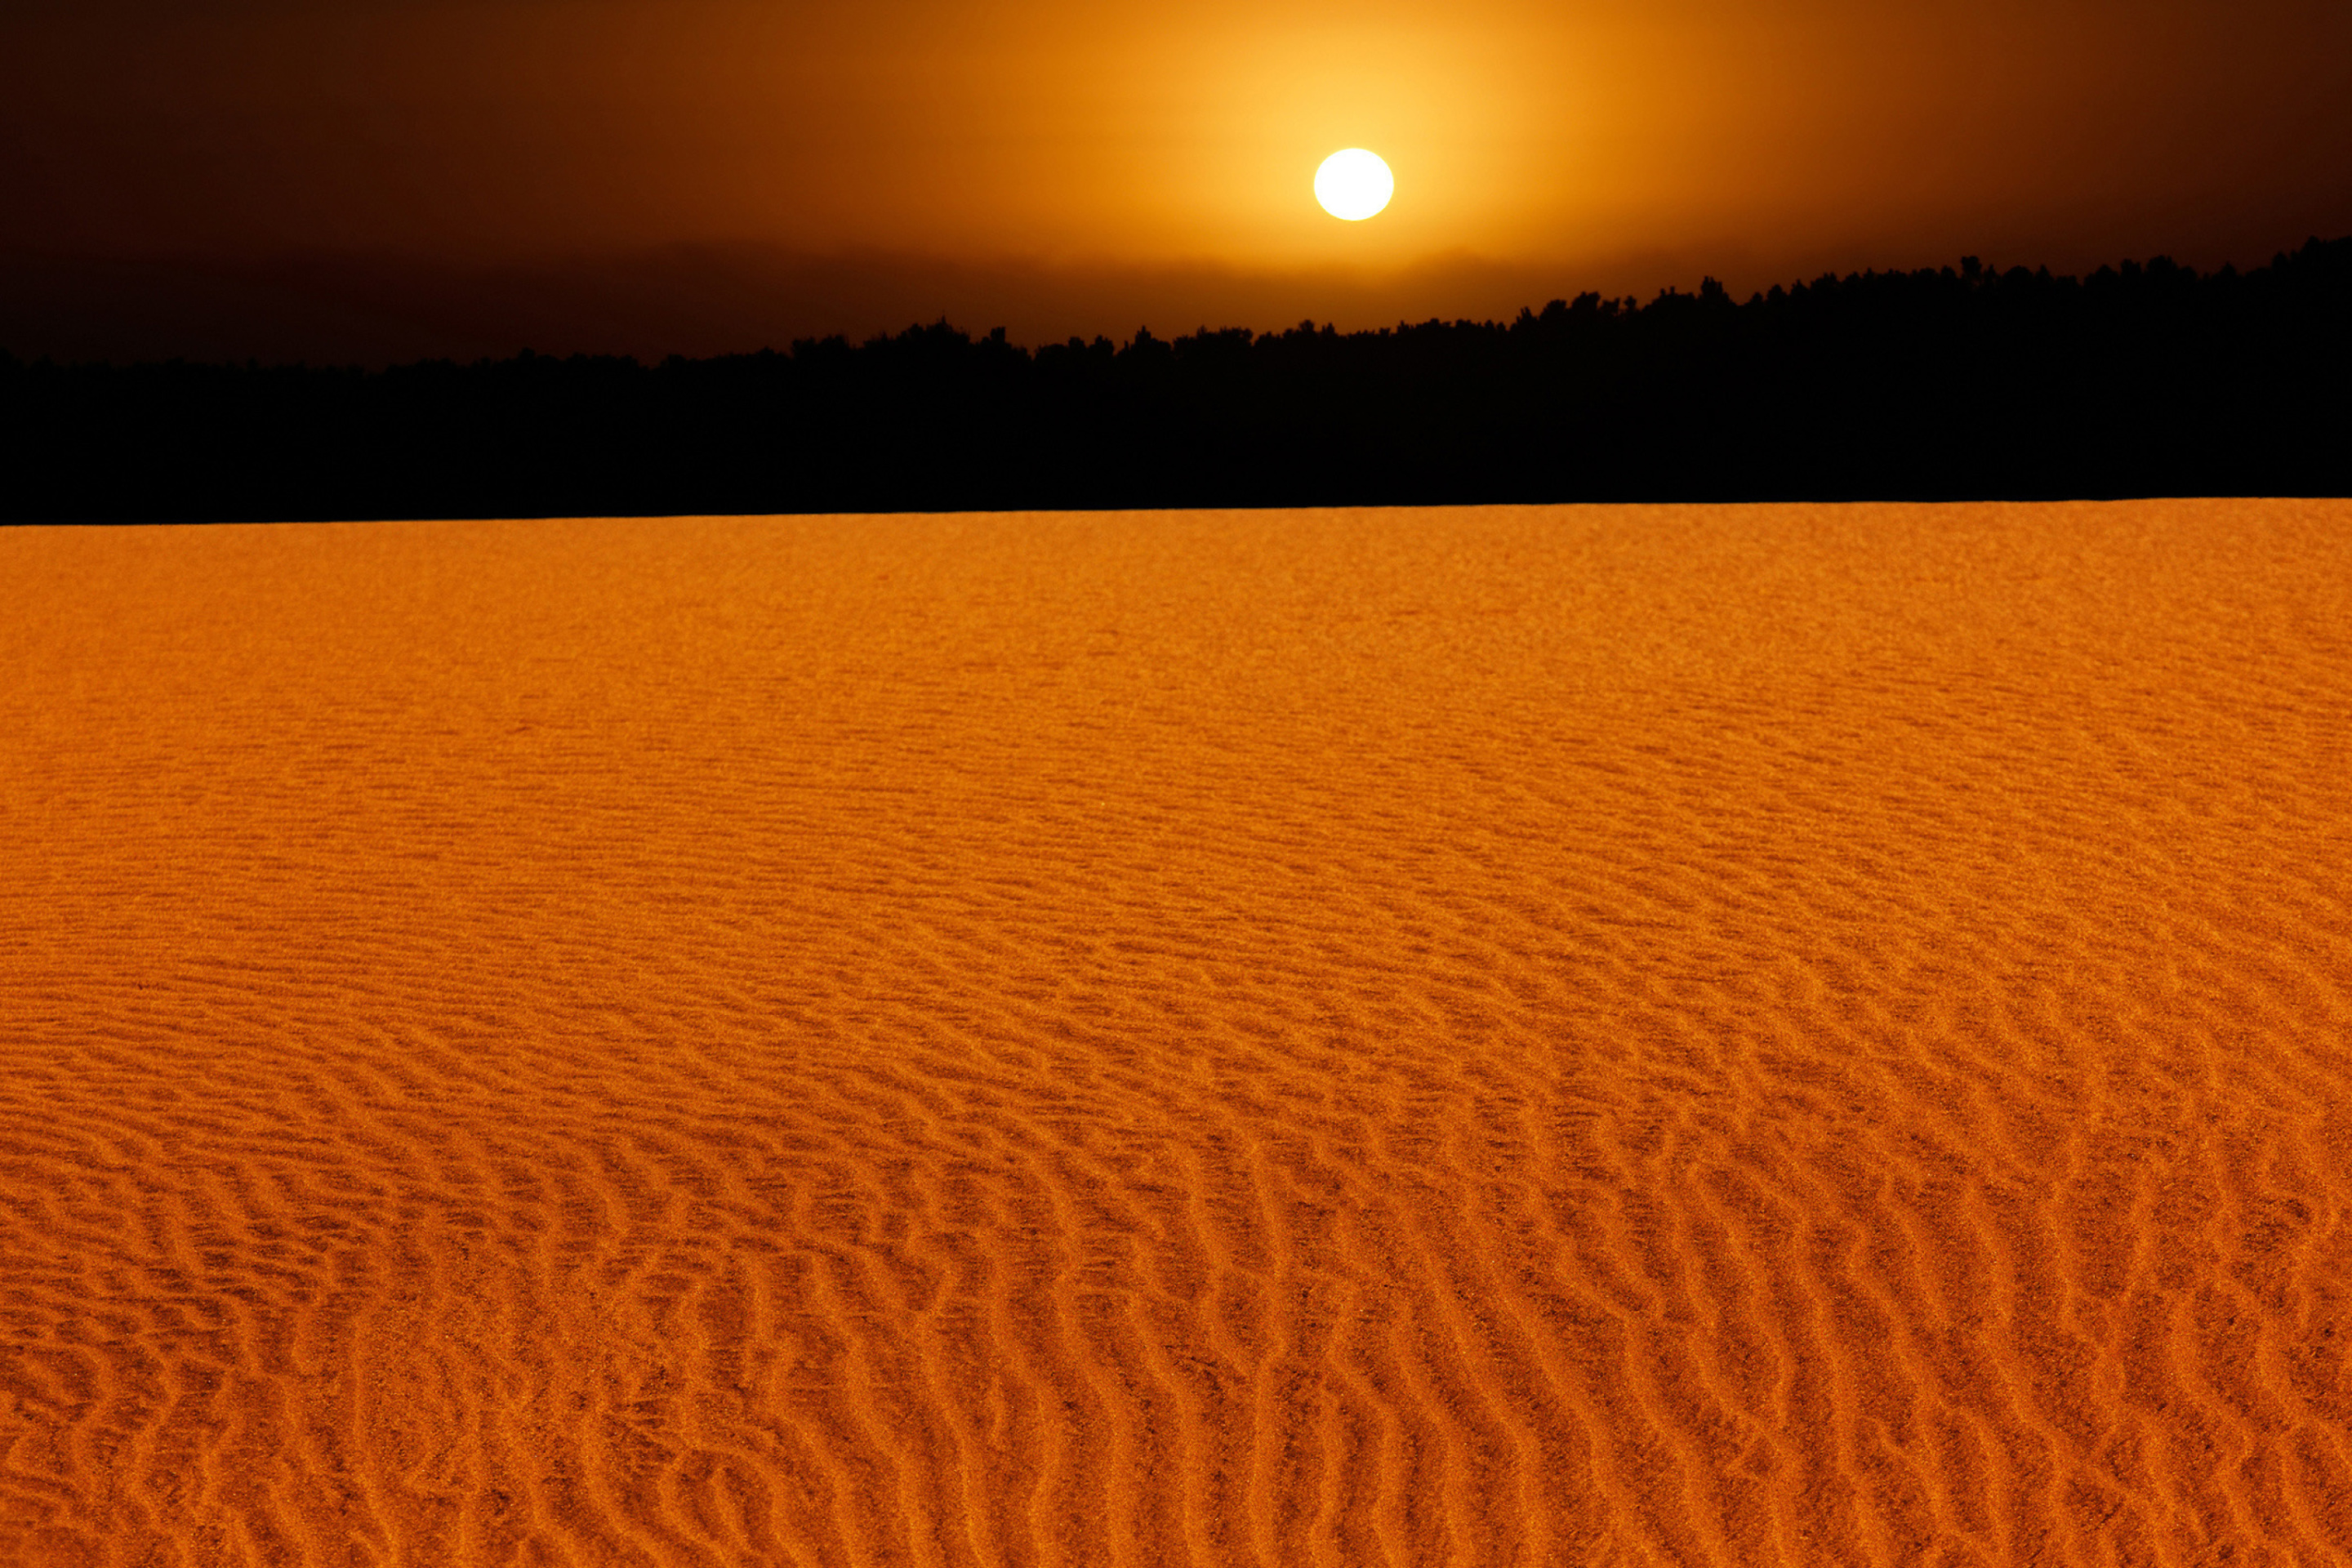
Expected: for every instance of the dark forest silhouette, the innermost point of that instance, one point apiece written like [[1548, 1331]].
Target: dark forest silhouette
[[1957, 383]]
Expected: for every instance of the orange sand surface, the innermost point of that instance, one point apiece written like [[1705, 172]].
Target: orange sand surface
[[1711, 1035]]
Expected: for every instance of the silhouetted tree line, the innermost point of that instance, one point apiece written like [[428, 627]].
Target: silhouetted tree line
[[1957, 383]]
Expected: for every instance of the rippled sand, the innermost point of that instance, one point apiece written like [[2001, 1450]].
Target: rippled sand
[[1784, 1036]]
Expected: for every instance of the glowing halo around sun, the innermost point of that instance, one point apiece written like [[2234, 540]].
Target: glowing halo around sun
[[1354, 185]]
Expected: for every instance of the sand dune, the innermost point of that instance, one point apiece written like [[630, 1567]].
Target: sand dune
[[1782, 1036]]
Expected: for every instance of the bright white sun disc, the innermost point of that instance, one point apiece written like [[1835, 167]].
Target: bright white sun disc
[[1354, 185]]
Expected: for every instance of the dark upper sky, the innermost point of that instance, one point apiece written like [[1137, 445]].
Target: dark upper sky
[[1613, 144]]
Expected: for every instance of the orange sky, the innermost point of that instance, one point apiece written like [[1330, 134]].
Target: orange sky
[[1614, 143]]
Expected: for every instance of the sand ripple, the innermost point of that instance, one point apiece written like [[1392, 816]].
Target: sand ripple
[[1551, 1036]]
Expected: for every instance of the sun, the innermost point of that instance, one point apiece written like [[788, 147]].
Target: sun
[[1354, 185]]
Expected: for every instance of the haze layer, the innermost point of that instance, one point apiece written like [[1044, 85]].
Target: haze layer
[[349, 179], [1786, 1036]]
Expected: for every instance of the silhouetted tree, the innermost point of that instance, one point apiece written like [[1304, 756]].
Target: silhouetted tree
[[2140, 379]]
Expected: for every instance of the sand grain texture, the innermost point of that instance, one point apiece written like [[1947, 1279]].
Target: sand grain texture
[[1730, 1036]]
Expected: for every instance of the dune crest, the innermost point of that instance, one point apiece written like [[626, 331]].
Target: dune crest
[[1584, 1035]]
